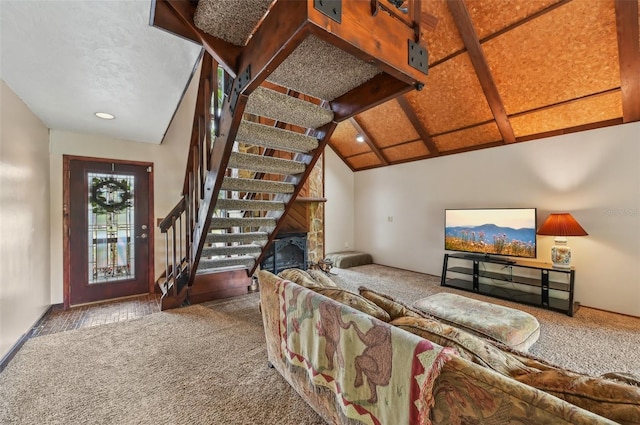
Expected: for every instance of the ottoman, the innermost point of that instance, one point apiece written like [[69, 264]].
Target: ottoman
[[346, 259], [511, 327]]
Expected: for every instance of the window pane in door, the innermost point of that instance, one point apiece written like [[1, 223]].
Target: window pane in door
[[111, 227]]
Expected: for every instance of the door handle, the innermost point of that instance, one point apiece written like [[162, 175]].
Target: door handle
[[142, 236]]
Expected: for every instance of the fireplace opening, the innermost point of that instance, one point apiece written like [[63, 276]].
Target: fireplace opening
[[287, 251]]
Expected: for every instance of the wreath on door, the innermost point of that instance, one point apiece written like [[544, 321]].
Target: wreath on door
[[110, 195]]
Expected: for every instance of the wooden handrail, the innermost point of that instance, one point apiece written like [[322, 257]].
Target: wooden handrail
[[181, 223], [176, 212]]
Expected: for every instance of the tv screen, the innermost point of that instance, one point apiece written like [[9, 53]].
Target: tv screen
[[500, 231]]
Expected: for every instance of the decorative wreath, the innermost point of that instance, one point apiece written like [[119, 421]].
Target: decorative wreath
[[111, 185]]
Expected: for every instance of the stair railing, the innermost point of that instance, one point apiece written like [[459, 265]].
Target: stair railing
[[179, 225]]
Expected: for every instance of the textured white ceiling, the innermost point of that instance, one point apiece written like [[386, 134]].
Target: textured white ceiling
[[68, 59]]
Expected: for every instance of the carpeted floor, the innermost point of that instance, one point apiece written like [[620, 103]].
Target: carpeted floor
[[194, 365], [206, 364]]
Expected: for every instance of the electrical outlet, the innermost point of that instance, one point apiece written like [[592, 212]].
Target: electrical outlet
[[346, 244], [390, 218]]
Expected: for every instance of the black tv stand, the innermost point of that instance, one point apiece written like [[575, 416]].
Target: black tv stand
[[488, 258], [526, 282]]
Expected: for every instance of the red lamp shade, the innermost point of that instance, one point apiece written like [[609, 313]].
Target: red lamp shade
[[561, 224]]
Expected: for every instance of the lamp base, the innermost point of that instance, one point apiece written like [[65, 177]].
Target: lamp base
[[561, 254]]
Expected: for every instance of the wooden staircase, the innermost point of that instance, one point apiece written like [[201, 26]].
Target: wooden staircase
[[272, 89]]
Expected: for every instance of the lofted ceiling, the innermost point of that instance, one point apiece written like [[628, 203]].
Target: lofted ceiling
[[505, 71], [500, 72]]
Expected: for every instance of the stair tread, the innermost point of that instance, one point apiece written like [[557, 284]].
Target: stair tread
[[231, 250], [223, 269], [321, 69], [279, 106], [232, 21], [275, 138], [265, 164], [234, 258], [237, 237], [224, 222], [249, 205], [256, 185], [241, 260]]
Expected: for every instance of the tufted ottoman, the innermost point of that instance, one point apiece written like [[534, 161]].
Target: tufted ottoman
[[513, 328]]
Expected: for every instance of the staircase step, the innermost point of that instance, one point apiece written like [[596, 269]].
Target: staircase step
[[232, 21], [318, 68], [245, 261], [225, 223], [275, 138], [256, 186], [247, 237], [249, 205], [232, 250], [265, 164], [279, 106], [164, 287]]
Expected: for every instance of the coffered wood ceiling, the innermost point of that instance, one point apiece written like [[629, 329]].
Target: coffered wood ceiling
[[504, 72]]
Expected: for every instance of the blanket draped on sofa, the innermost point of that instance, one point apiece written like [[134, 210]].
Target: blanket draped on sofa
[[366, 381]]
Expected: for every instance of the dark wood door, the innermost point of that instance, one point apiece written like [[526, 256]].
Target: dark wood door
[[109, 231]]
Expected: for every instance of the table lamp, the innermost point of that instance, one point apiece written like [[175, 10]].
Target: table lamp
[[561, 225]]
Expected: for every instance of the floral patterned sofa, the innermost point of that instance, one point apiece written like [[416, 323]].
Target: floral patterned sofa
[[366, 358]]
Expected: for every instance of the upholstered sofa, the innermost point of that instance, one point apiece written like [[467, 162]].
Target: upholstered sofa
[[366, 358]]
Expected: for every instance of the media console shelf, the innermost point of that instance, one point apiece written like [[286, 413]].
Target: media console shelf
[[526, 282]]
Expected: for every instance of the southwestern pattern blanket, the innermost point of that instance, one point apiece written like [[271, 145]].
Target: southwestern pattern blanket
[[367, 380]]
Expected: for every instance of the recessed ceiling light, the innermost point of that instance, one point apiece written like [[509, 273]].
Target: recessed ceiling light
[[105, 116], [359, 138]]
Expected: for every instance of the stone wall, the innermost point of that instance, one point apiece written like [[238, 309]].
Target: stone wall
[[315, 237]]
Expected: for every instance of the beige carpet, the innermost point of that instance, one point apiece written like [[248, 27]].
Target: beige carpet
[[200, 365], [189, 366]]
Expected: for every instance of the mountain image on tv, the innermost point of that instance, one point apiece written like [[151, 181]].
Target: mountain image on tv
[[510, 237]]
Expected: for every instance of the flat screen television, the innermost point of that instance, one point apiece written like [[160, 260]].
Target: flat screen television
[[509, 232]]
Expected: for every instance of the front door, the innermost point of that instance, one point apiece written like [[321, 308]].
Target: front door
[[108, 229]]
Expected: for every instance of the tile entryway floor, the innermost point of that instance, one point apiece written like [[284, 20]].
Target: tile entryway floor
[[59, 320]]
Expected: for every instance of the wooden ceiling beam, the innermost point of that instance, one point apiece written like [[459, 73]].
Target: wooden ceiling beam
[[369, 140], [529, 111], [379, 89], [466, 127], [566, 102], [162, 17], [502, 31], [417, 125], [168, 14], [569, 130], [629, 58], [469, 36]]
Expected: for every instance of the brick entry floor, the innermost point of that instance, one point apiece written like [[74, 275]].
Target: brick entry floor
[[59, 320]]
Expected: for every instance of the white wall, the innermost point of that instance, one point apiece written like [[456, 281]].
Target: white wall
[[24, 219], [169, 161], [339, 209], [595, 175]]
